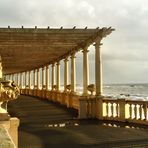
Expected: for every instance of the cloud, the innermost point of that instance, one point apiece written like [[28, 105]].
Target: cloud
[[126, 47]]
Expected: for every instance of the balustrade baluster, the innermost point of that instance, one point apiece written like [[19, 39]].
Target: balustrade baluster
[[117, 110], [112, 109], [140, 112], [107, 114], [145, 111], [135, 111], [130, 111]]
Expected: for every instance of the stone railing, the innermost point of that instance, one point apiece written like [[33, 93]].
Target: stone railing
[[125, 110], [101, 108], [137, 111]]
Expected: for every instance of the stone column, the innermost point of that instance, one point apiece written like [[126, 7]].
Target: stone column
[[43, 78], [85, 71], [1, 71], [53, 75], [15, 78], [8, 77], [34, 78], [98, 68], [25, 79], [66, 73], [73, 73], [38, 79], [20, 80], [47, 77], [12, 77], [58, 76], [29, 79]]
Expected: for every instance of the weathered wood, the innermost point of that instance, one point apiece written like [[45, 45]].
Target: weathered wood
[[24, 49]]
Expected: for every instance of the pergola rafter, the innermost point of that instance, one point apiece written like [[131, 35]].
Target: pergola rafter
[[25, 49]]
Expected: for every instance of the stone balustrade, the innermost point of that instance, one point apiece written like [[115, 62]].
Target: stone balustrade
[[101, 108]]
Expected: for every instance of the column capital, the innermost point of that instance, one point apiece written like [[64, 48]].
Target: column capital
[[85, 50], [98, 42], [47, 66], [73, 55], [66, 59], [53, 64], [43, 68], [58, 63]]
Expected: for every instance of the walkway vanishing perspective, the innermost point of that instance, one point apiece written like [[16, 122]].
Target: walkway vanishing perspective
[[46, 124]]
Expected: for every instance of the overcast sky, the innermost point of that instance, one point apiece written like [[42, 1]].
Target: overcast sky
[[124, 52]]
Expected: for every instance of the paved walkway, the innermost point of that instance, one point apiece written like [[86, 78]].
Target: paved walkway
[[45, 124]]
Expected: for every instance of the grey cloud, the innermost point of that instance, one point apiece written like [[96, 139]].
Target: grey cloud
[[127, 47]]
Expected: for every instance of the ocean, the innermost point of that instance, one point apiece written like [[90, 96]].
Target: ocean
[[117, 91], [127, 91]]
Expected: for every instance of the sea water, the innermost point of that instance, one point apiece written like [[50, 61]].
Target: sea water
[[127, 91], [117, 91]]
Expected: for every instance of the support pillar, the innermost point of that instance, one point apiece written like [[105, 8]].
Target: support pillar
[[58, 76], [65, 73], [17, 79], [20, 80], [53, 75], [98, 68], [1, 67], [29, 79], [9, 77], [34, 78], [38, 79], [12, 77], [43, 78], [85, 71], [47, 77], [73, 73], [25, 79]]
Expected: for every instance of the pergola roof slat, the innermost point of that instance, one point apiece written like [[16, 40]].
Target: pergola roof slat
[[24, 49]]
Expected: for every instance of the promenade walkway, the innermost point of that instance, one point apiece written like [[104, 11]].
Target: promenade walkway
[[45, 124]]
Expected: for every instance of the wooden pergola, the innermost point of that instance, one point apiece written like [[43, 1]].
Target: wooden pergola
[[24, 49]]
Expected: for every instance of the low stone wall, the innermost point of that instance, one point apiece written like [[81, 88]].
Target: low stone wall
[[102, 108], [9, 133], [5, 140]]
